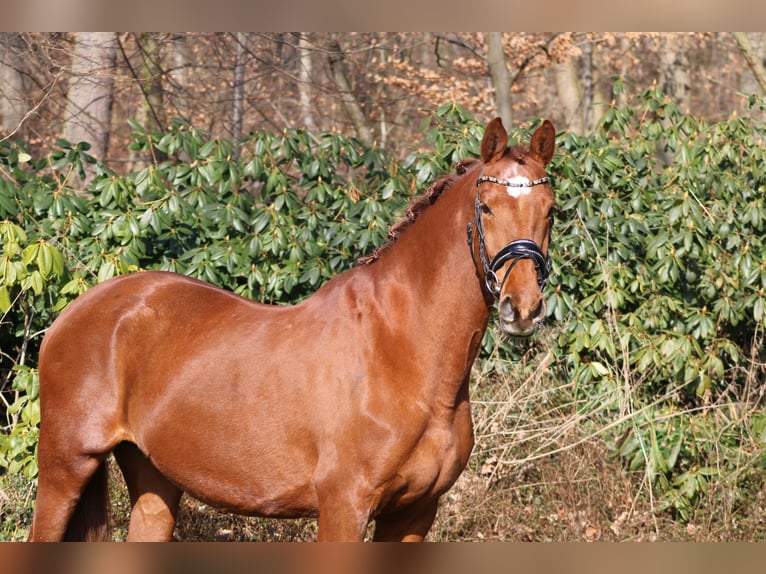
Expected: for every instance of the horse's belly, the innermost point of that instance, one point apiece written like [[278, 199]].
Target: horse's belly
[[235, 466], [282, 501], [267, 488]]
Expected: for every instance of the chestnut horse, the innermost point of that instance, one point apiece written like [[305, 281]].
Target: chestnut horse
[[351, 406]]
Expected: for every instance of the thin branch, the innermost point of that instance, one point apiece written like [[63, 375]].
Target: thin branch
[[49, 90], [135, 76], [753, 61]]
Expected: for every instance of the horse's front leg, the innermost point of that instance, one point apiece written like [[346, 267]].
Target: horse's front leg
[[408, 525], [340, 527], [343, 514], [340, 521]]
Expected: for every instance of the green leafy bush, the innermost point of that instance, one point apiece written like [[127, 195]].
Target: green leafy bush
[[659, 276]]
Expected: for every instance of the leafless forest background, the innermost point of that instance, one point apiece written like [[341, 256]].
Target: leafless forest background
[[375, 86]]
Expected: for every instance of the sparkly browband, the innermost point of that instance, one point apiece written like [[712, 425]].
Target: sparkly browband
[[491, 179]]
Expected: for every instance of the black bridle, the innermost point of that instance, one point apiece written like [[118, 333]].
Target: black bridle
[[516, 250]]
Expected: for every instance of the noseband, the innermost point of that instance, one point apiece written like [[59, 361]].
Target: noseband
[[516, 250]]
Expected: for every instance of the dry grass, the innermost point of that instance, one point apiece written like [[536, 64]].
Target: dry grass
[[578, 496], [541, 470]]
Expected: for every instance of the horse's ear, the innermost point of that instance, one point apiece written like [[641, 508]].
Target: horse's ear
[[494, 142], [543, 142]]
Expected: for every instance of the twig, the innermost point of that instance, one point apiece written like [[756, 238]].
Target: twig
[[47, 93]]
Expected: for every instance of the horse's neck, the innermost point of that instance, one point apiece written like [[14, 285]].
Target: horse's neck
[[429, 280]]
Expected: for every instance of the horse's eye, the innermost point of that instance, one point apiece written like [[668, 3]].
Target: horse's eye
[[485, 209]]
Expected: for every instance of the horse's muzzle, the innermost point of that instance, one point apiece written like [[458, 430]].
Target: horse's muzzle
[[520, 320]]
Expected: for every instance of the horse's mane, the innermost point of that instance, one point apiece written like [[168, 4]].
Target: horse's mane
[[417, 207]]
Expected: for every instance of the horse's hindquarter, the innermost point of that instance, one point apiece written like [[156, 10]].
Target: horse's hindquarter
[[192, 375]]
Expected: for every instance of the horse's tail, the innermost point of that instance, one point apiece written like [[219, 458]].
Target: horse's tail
[[90, 521]]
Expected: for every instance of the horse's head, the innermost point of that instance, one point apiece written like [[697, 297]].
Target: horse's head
[[510, 232]]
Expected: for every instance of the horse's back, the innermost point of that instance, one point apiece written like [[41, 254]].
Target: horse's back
[[152, 318], [155, 291], [89, 335]]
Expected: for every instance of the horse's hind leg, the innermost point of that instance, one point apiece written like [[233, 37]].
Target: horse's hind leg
[[62, 480], [154, 500]]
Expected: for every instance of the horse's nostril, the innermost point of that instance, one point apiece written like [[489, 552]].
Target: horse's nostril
[[506, 309], [539, 313]]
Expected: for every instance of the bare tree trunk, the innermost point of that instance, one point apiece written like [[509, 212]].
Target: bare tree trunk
[[622, 97], [674, 73], [304, 82], [600, 105], [570, 94], [427, 55], [754, 62], [239, 84], [587, 84], [383, 123], [176, 63], [501, 77], [349, 102], [12, 104], [89, 99], [149, 76], [594, 101]]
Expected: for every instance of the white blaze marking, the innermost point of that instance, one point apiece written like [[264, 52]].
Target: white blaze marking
[[519, 191]]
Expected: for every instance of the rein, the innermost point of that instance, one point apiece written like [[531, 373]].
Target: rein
[[516, 250]]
